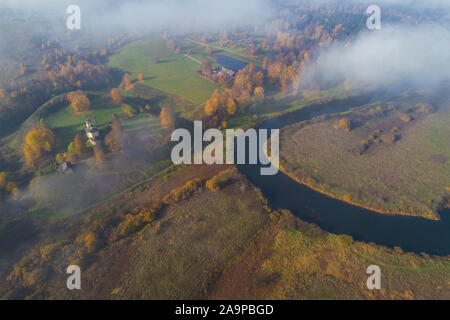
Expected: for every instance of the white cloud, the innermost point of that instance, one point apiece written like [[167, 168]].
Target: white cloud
[[397, 53]]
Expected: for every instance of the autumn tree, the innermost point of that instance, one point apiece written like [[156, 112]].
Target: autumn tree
[[129, 110], [220, 106], [39, 141], [116, 96], [167, 118], [114, 139], [99, 154], [231, 106], [206, 68], [171, 44], [140, 77], [79, 102], [22, 69], [259, 95], [126, 81], [79, 146], [259, 79], [7, 184], [345, 124], [4, 177]]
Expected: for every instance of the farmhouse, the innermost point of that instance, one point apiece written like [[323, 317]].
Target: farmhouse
[[65, 168], [92, 133], [221, 69]]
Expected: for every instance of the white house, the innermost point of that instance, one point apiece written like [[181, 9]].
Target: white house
[[92, 133]]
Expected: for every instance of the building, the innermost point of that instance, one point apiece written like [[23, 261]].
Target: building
[[92, 133], [65, 168], [221, 69]]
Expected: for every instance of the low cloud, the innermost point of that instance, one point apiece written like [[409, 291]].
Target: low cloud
[[153, 15], [392, 54]]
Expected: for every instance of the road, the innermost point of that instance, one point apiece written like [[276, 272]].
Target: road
[[192, 58], [220, 48]]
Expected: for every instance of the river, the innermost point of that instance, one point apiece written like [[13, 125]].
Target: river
[[409, 233]]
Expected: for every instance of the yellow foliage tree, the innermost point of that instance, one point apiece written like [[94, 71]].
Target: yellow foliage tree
[[38, 142], [167, 118], [231, 106], [345, 124], [259, 94], [79, 146]]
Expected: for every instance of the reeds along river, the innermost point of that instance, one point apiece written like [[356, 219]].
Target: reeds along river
[[409, 233]]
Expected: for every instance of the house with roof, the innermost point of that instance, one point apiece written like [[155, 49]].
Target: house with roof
[[65, 168], [222, 70], [92, 133]]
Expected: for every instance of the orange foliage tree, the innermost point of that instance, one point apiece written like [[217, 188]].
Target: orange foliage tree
[[79, 102], [116, 96], [126, 82], [167, 118]]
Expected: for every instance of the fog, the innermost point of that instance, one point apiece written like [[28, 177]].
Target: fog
[[391, 54], [151, 15]]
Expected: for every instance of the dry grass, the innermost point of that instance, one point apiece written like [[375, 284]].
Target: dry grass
[[389, 176]]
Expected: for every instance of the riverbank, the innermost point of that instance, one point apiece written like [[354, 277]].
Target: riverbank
[[320, 189]]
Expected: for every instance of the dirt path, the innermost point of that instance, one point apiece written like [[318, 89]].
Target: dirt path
[[219, 48], [192, 58]]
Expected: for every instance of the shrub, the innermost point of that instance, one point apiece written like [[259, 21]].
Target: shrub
[[388, 138], [48, 251], [406, 118], [221, 179], [182, 193], [129, 110], [345, 124], [425, 108], [91, 242], [345, 239], [141, 216]]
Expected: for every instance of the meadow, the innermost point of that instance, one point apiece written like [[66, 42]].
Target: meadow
[[408, 174], [175, 73], [195, 248], [291, 259]]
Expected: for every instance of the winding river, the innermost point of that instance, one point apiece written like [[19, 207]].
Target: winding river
[[409, 233]]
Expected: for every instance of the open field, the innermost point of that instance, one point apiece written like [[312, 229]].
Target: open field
[[66, 124], [175, 74], [197, 248], [291, 259], [408, 174]]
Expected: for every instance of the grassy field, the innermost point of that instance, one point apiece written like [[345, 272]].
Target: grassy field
[[175, 74], [410, 175], [226, 244], [296, 260]]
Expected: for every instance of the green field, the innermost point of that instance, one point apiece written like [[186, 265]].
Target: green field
[[175, 74]]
